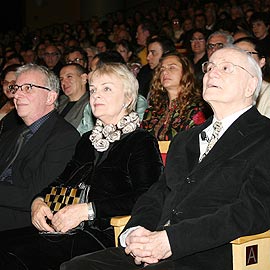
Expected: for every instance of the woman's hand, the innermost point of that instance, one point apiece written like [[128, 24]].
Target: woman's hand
[[70, 217], [40, 211]]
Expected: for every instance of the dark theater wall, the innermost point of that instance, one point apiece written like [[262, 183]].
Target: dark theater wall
[[41, 13], [12, 15]]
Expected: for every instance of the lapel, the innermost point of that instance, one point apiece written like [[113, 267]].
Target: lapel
[[192, 146], [40, 138], [231, 141], [76, 112]]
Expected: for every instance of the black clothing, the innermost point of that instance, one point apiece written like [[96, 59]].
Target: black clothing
[[144, 78]]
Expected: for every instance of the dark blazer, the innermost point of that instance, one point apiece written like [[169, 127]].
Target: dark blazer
[[208, 204], [39, 162], [117, 176], [10, 121], [75, 115]]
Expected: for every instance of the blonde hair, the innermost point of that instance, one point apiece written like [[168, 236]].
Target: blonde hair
[[130, 83]]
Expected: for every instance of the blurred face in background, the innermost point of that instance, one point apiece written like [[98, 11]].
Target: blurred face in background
[[250, 48], [51, 56], [198, 43], [259, 29], [7, 83], [155, 52], [124, 52]]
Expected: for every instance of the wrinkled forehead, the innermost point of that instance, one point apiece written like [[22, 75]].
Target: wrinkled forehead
[[217, 39], [229, 55]]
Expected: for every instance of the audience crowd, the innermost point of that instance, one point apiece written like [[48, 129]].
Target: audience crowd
[[196, 28], [162, 48]]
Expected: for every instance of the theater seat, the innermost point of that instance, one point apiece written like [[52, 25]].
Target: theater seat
[[163, 148], [249, 252]]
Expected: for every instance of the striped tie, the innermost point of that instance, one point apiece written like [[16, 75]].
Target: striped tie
[[217, 128]]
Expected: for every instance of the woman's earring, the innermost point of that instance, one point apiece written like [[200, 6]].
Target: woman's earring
[[125, 106]]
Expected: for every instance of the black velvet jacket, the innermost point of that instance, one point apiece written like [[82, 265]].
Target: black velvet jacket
[[117, 176]]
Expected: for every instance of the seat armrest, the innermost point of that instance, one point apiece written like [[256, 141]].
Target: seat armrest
[[248, 238], [118, 223]]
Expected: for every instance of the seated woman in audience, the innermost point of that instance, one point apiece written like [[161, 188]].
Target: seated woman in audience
[[7, 81], [99, 59], [198, 53], [8, 114], [118, 159], [175, 103]]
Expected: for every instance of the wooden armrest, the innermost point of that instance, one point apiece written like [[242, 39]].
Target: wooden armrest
[[163, 146], [248, 238], [119, 221]]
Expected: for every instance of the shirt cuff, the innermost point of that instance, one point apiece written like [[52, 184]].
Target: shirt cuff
[[123, 236]]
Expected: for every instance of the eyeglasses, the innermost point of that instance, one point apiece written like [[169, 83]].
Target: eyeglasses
[[26, 88], [224, 67], [250, 53], [218, 45], [197, 39], [76, 60], [53, 54]]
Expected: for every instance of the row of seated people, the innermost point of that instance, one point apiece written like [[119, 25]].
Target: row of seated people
[[170, 64], [164, 123]]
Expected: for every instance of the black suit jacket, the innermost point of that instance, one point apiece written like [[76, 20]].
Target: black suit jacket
[[208, 204], [39, 162]]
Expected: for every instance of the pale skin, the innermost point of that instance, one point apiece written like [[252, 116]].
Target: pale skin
[[73, 83], [38, 102], [171, 75], [106, 99], [219, 88], [148, 247], [64, 220]]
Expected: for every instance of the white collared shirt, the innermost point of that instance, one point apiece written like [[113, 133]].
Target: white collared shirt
[[226, 123]]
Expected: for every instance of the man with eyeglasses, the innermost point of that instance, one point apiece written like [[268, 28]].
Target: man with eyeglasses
[[52, 58], [215, 187], [218, 40], [76, 55], [35, 153]]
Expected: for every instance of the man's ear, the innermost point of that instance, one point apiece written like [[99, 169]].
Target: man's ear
[[262, 62], [51, 98], [252, 85], [84, 77]]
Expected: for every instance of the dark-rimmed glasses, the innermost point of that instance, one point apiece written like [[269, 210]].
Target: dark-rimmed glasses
[[251, 53], [26, 88], [211, 46], [224, 67], [76, 60]]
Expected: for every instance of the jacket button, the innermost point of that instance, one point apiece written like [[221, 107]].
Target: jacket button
[[190, 180]]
